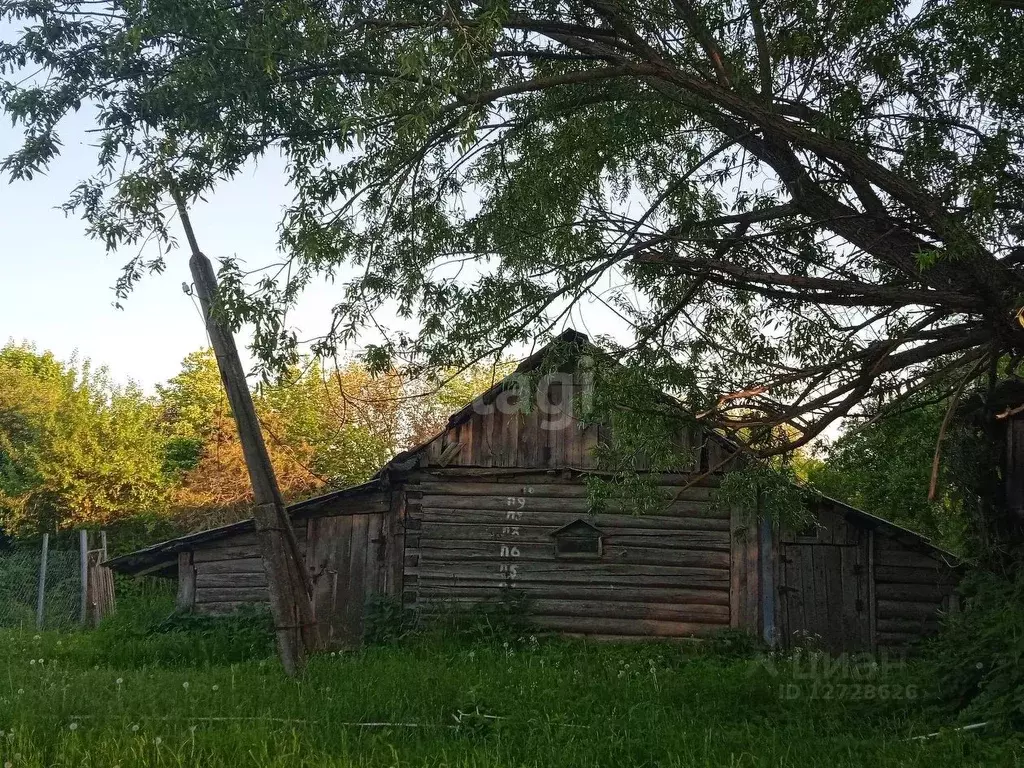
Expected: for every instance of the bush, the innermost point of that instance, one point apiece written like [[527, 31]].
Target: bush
[[978, 657], [147, 631], [388, 621], [735, 644], [502, 620]]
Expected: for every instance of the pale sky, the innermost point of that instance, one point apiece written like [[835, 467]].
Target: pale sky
[[57, 282]]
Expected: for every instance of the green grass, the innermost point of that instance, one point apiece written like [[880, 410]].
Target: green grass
[[207, 694]]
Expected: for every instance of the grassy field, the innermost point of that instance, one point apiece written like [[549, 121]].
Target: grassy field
[[195, 694]]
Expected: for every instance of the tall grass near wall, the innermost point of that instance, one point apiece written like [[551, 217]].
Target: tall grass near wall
[[157, 689]]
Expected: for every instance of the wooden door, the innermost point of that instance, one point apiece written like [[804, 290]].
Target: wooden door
[[348, 558], [823, 592]]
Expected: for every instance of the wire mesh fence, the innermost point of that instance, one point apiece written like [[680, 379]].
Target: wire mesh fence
[[19, 588]]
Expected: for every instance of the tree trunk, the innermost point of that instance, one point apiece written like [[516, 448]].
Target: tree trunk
[[1010, 528], [288, 582], [990, 465]]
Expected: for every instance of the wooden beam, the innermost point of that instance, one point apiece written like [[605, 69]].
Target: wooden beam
[[872, 601], [186, 582], [769, 631], [291, 594]]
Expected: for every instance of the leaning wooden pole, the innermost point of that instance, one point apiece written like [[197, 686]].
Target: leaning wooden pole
[[287, 578]]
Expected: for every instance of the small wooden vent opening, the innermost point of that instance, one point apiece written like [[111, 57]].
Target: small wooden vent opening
[[578, 540]]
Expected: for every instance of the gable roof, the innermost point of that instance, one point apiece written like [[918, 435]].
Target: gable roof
[[579, 522], [160, 558], [568, 339]]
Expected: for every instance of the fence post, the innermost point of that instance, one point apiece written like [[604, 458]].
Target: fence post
[[83, 555], [41, 599], [110, 599], [101, 584]]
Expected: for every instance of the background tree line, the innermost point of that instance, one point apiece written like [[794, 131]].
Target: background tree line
[[77, 449]]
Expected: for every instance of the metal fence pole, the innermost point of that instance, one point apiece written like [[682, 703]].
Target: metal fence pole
[[41, 599], [83, 553]]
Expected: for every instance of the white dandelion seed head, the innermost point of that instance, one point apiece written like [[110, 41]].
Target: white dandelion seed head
[[158, 741], [40, 661], [21, 691], [216, 687], [32, 662], [135, 728], [8, 764], [73, 727], [185, 685], [119, 680], [37, 637]]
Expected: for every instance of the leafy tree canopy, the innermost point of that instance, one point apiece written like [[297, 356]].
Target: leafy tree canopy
[[885, 467], [820, 200], [799, 210], [74, 448]]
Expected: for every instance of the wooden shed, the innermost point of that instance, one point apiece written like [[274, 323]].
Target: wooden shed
[[498, 504]]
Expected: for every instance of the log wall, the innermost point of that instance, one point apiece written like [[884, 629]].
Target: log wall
[[474, 538], [858, 584], [913, 586], [227, 574], [347, 552], [458, 536]]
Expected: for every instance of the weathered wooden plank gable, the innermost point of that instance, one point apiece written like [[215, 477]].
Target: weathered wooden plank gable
[[539, 431]]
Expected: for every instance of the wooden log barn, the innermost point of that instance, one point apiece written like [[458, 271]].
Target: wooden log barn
[[497, 504]]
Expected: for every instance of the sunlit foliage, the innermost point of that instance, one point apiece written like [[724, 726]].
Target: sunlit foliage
[[76, 449]]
